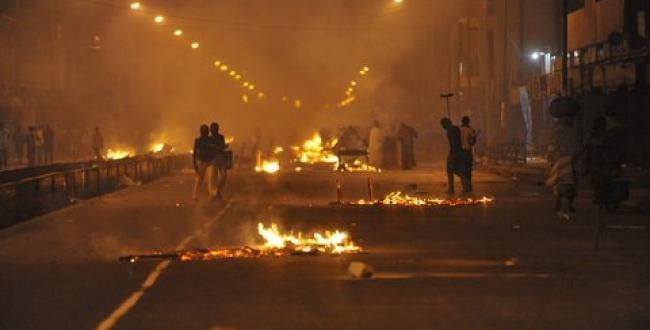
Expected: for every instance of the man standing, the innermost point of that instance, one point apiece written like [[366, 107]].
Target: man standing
[[456, 160], [406, 135], [468, 141], [375, 139], [98, 144]]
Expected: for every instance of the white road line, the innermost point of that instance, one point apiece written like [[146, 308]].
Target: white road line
[[133, 299]]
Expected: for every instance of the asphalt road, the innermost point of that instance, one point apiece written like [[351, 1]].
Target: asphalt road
[[510, 265]]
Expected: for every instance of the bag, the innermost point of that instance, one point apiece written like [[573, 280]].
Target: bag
[[223, 160]]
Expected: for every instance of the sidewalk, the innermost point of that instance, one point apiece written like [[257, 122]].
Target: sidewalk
[[537, 173]]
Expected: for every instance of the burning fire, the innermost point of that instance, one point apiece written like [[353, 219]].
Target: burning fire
[[336, 242], [156, 147], [400, 198], [229, 139], [117, 154], [268, 166], [315, 151], [276, 244]]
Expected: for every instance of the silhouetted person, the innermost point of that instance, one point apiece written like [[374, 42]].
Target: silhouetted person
[[406, 135], [563, 177], [48, 146], [468, 141], [98, 144], [19, 143], [39, 144], [219, 164], [457, 162], [30, 141], [4, 146], [202, 157]]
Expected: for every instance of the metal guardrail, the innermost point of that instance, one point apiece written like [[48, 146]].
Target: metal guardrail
[[29, 197]]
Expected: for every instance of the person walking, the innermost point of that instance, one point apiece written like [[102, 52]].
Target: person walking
[[30, 141], [202, 157], [563, 177], [456, 160], [98, 144], [406, 135], [220, 163]]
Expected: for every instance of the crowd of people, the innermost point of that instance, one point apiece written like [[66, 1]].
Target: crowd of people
[[39, 145]]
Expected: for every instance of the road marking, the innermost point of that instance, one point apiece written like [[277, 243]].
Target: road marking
[[459, 275], [151, 279]]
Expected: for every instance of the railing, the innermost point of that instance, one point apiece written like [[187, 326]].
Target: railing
[[28, 197]]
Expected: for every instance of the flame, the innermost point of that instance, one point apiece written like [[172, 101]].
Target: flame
[[230, 139], [156, 147], [276, 244], [336, 242], [268, 166], [314, 150], [117, 154], [400, 198]]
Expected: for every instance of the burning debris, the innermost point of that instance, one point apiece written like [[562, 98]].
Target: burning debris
[[161, 148], [400, 198], [277, 244], [270, 166], [116, 154], [316, 151]]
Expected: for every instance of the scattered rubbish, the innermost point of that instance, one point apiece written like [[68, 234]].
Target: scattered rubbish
[[359, 269]]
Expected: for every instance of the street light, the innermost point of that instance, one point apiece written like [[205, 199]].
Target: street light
[[535, 55], [217, 63], [159, 19], [194, 45], [178, 32], [135, 6], [397, 1]]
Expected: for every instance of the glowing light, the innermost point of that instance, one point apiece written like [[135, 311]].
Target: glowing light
[[366, 69], [217, 63], [237, 77], [223, 67], [297, 104], [156, 147], [397, 1], [194, 45], [159, 19], [135, 6], [233, 73], [353, 83], [261, 95], [244, 98], [363, 73], [268, 166], [117, 154], [245, 84], [178, 32], [251, 87]]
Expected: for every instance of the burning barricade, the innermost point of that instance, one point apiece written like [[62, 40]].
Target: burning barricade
[[277, 244], [336, 154], [404, 199], [118, 153]]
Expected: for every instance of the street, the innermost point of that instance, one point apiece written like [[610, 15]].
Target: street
[[510, 264]]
